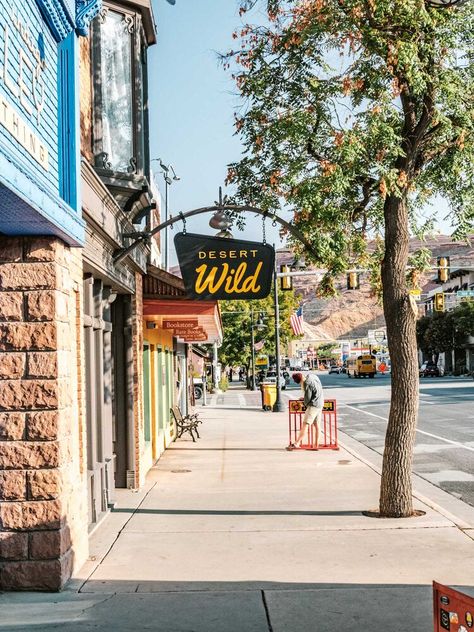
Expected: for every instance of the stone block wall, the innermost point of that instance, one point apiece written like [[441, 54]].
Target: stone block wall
[[43, 498]]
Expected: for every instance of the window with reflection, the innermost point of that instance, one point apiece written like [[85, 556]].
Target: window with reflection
[[119, 54], [117, 95]]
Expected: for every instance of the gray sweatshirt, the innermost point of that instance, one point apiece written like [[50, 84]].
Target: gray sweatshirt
[[313, 391]]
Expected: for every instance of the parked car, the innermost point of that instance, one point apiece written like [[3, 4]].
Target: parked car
[[271, 377], [429, 369], [335, 369]]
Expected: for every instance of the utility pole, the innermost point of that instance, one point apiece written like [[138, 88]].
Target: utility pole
[[252, 342], [278, 406]]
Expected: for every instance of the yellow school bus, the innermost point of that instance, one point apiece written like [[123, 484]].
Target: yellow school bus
[[361, 366]]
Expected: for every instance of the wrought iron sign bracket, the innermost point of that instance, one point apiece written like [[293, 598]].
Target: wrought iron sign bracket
[[121, 253]]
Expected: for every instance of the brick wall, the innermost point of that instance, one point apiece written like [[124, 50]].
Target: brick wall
[[43, 502]]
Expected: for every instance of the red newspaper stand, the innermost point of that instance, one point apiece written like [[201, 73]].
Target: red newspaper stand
[[453, 610], [328, 438]]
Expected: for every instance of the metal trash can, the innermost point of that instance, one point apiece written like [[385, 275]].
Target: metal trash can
[[269, 393]]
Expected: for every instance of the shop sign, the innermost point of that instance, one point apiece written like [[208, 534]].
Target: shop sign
[[214, 268], [197, 338], [23, 68], [180, 333], [297, 406], [180, 324]]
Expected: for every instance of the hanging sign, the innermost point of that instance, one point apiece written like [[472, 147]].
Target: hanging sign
[[180, 333], [196, 338], [189, 323], [215, 268]]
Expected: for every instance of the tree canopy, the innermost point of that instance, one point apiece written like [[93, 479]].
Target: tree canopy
[[236, 317], [334, 94], [355, 114], [443, 331]]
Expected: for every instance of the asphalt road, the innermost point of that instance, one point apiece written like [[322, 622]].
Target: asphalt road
[[444, 449]]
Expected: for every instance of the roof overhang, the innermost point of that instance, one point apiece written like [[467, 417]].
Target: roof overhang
[[205, 314]]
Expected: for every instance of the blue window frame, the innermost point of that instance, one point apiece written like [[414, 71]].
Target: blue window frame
[[68, 142]]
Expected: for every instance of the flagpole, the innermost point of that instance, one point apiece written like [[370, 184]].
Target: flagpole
[[278, 406]]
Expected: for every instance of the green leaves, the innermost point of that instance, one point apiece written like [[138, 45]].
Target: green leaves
[[346, 104], [444, 331], [236, 347]]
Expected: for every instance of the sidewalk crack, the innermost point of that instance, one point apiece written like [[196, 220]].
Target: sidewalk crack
[[98, 603], [267, 611], [117, 536]]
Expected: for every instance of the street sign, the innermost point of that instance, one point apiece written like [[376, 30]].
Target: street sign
[[376, 336], [215, 268], [416, 293], [465, 293]]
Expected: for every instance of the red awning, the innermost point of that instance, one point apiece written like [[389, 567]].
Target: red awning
[[182, 311]]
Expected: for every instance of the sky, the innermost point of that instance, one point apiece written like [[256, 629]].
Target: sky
[[192, 104]]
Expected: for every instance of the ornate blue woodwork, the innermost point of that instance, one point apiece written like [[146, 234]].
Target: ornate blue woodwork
[[86, 10], [58, 18], [39, 144]]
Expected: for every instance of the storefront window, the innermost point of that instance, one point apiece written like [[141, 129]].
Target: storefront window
[[116, 46]]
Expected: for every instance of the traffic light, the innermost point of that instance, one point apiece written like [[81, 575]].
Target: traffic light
[[439, 302], [443, 269], [286, 282], [353, 281]]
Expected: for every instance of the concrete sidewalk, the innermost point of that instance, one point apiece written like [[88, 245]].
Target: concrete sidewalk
[[235, 534]]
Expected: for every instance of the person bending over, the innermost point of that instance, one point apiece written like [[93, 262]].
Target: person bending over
[[313, 400]]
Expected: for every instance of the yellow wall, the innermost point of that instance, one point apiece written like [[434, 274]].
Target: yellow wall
[[158, 337], [161, 433]]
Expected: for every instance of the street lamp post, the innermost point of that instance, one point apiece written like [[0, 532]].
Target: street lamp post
[[169, 176], [258, 325], [252, 343], [278, 406]]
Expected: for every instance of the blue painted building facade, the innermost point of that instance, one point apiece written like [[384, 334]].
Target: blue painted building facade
[[39, 130]]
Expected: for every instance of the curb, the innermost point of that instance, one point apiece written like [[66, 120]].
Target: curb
[[456, 511]]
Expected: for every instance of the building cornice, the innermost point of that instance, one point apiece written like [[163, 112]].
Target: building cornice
[[62, 19], [101, 211], [59, 20], [145, 8], [86, 11]]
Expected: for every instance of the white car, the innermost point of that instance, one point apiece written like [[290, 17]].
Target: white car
[[335, 369], [271, 377]]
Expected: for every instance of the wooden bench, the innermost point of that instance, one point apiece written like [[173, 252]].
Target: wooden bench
[[185, 423]]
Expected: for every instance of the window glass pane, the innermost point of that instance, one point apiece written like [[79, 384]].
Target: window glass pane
[[117, 114]]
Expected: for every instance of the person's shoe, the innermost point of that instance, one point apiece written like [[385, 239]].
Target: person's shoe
[[292, 446]]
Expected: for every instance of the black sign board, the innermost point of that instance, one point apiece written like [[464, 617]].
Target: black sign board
[[215, 268]]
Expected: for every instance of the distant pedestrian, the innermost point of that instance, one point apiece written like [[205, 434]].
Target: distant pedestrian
[[313, 400]]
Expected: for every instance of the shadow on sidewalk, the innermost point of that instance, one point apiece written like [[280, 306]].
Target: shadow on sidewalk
[[224, 606], [225, 450], [230, 512]]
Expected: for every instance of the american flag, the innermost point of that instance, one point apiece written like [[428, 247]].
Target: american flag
[[296, 322]]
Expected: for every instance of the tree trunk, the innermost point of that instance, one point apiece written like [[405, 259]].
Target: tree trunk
[[396, 486]]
